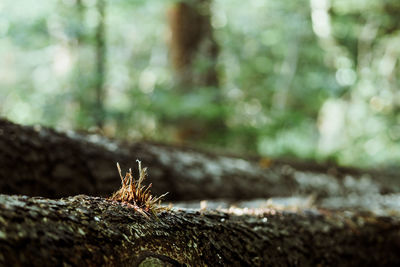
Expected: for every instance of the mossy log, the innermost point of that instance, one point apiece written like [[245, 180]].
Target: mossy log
[[38, 161], [93, 231]]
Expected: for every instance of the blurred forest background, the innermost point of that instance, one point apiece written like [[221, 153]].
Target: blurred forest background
[[316, 79]]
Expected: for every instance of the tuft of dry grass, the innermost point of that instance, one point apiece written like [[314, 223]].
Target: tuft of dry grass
[[134, 193]]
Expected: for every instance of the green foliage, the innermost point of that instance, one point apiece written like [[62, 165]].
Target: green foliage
[[297, 78]]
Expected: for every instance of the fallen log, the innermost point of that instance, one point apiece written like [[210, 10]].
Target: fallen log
[[39, 161], [93, 231]]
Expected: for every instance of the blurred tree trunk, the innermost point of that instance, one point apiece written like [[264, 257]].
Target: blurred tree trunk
[[193, 48], [79, 71], [89, 74], [100, 64], [194, 53]]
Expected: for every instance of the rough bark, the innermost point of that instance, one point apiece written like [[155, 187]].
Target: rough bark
[[92, 231], [38, 161]]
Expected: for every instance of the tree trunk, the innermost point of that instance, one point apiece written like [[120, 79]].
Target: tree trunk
[[38, 161], [192, 43], [193, 53], [91, 231], [100, 64]]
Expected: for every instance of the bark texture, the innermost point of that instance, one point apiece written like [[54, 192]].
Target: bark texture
[[92, 231], [38, 161]]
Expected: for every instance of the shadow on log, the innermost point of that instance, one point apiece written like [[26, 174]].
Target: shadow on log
[[92, 231]]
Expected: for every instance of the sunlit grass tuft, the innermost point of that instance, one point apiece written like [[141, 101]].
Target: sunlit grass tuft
[[134, 193]]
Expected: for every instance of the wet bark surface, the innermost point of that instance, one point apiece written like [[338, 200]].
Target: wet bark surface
[[93, 231], [38, 161]]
